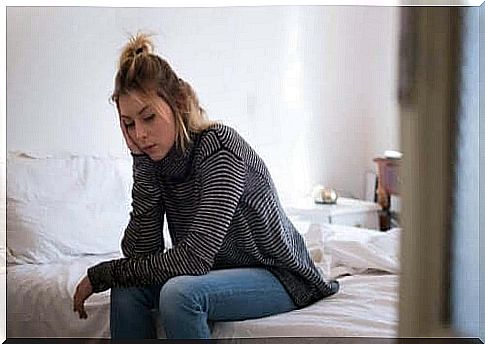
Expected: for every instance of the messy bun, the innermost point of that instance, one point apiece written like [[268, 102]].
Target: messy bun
[[139, 44], [141, 70]]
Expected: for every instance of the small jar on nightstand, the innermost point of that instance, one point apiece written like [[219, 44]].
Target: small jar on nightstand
[[347, 212]]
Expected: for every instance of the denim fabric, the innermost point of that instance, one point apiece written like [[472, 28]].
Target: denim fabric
[[188, 304]]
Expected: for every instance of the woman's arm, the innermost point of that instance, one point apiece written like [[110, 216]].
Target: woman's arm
[[144, 234], [222, 184]]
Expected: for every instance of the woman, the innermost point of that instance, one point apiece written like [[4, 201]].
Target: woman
[[235, 254]]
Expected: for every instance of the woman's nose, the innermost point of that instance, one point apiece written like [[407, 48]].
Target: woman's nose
[[141, 132]]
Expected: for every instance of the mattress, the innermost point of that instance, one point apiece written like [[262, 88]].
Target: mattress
[[39, 297]]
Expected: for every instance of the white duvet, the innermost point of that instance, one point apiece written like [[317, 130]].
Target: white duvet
[[365, 262]]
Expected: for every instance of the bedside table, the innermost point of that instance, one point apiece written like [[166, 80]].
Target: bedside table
[[347, 212]]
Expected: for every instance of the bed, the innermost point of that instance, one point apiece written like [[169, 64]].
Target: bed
[[53, 238]]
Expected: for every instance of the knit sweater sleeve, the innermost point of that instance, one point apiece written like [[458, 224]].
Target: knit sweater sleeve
[[144, 234], [222, 177]]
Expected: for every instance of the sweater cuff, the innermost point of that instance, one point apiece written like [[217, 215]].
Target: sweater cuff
[[335, 285], [101, 276]]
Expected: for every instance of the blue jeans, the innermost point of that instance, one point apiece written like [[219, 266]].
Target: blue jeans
[[187, 304]]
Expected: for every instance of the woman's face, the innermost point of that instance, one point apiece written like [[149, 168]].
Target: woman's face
[[150, 123]]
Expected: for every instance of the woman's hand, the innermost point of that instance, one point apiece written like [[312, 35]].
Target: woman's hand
[[83, 290], [129, 142]]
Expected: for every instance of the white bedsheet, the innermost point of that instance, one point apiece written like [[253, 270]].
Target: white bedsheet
[[39, 296], [39, 301], [366, 306]]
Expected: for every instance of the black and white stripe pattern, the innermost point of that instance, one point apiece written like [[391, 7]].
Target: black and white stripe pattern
[[222, 211]]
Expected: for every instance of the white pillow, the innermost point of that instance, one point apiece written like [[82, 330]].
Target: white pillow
[[60, 207]]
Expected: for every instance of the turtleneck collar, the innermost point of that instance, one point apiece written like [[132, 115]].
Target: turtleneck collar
[[176, 164]]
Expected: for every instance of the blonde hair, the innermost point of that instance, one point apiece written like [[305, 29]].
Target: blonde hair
[[139, 69]]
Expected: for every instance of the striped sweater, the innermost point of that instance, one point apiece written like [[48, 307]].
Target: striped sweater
[[222, 211]]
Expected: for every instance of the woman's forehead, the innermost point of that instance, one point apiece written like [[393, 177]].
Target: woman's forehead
[[134, 103]]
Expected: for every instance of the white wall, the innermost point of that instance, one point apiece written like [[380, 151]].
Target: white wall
[[311, 88]]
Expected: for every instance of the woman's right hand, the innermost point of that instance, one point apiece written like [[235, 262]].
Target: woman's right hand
[[129, 142]]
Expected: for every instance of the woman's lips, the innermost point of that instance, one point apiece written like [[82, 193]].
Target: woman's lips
[[149, 148]]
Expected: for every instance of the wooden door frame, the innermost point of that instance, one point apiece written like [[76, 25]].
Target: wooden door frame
[[428, 89]]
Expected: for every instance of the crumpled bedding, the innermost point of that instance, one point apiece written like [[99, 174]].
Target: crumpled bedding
[[364, 261]]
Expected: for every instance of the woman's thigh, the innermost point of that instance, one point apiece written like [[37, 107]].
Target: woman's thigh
[[230, 294]]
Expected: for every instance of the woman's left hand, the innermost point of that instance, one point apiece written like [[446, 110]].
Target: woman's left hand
[[83, 290]]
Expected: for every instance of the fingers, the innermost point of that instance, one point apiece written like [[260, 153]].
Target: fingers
[[129, 142], [123, 129], [125, 133], [82, 313], [78, 305]]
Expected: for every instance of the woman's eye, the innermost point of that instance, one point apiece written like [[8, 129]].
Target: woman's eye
[[130, 125], [149, 117]]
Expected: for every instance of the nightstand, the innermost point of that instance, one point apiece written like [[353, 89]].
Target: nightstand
[[347, 212], [387, 186]]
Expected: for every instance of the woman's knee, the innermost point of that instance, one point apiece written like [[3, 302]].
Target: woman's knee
[[127, 298], [181, 294]]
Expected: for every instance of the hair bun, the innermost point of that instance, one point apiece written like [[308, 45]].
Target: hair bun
[[139, 43]]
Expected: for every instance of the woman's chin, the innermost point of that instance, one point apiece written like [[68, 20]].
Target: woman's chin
[[158, 153], [156, 156]]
